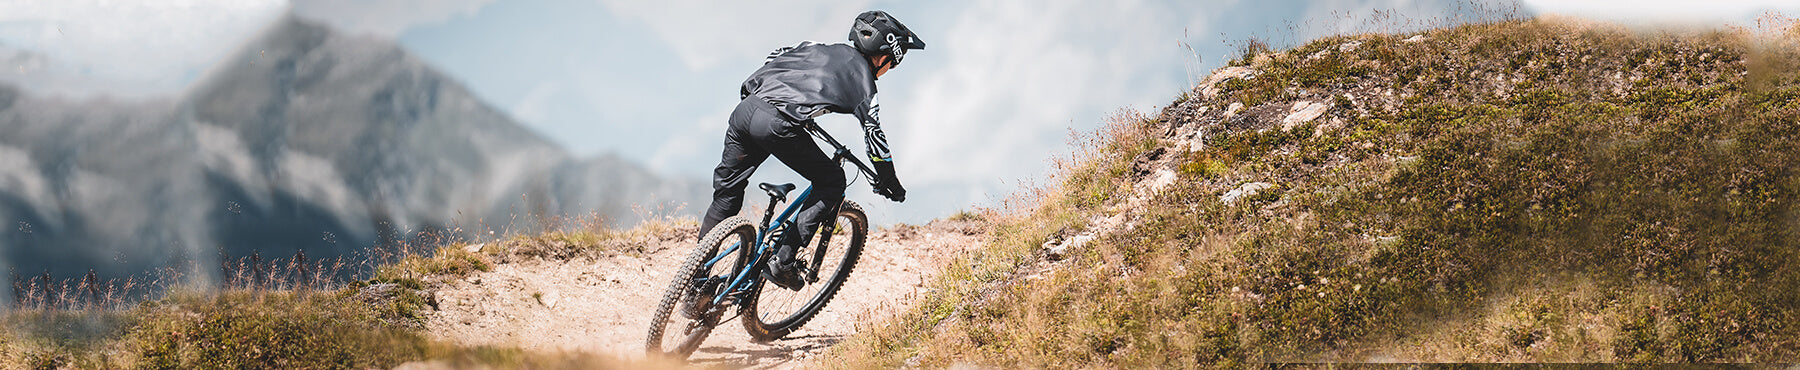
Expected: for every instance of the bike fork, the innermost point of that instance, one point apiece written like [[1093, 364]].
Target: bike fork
[[825, 231]]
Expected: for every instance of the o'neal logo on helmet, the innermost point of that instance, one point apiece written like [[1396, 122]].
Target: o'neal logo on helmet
[[893, 41]]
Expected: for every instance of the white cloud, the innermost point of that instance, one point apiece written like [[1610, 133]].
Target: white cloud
[[1017, 75], [1676, 11], [385, 18], [124, 48], [697, 142], [707, 32]]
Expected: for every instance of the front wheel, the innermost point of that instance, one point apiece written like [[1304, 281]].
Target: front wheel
[[688, 298], [777, 312]]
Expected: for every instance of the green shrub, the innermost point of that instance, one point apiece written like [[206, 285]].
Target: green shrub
[[450, 260]]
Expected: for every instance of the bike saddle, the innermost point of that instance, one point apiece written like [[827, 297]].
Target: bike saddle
[[779, 192]]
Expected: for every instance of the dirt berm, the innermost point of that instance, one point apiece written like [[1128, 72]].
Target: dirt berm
[[602, 303]]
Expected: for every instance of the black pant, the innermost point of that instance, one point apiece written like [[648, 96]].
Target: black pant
[[757, 131]]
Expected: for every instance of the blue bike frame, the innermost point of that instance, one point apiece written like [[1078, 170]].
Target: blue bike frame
[[787, 219], [761, 235]]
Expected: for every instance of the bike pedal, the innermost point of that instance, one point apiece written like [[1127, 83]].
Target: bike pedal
[[789, 279]]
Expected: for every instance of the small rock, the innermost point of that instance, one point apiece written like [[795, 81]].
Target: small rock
[[1303, 112], [550, 299], [1415, 38], [1163, 178], [474, 248], [1056, 252], [1192, 142], [1233, 109], [1246, 190]]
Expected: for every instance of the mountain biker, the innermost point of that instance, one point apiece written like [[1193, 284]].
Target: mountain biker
[[795, 85]]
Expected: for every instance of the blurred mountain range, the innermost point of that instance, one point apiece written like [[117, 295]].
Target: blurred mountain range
[[306, 140]]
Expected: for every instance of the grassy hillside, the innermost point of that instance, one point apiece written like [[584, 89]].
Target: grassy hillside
[[1528, 190]]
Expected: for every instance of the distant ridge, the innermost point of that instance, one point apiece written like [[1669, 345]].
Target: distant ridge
[[306, 139]]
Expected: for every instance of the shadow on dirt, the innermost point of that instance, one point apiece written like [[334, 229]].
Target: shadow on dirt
[[768, 355]]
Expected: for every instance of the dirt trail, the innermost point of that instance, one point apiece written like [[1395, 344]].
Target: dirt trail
[[603, 305]]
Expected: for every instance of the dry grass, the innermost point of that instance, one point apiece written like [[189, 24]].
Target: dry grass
[[1517, 191], [591, 240], [292, 312], [1100, 170]]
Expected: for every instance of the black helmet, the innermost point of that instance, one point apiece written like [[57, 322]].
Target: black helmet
[[877, 33]]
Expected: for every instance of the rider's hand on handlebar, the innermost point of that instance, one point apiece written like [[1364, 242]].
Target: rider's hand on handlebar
[[896, 193], [886, 184]]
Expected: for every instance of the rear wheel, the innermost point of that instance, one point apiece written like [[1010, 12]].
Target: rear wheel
[[688, 299], [776, 311]]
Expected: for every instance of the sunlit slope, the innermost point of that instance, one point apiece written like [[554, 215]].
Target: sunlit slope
[[1534, 190]]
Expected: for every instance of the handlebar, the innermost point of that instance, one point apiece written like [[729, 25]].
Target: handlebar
[[842, 152]]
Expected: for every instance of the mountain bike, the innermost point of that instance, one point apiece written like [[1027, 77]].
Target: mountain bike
[[724, 271]]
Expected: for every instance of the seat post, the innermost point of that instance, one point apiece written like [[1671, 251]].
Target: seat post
[[769, 212]]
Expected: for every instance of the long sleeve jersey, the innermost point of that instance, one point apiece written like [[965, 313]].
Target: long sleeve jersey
[[808, 80]]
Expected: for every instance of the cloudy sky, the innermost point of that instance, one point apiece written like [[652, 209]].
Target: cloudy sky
[[979, 112]]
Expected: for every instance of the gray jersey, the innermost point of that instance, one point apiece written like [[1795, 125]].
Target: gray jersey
[[808, 80]]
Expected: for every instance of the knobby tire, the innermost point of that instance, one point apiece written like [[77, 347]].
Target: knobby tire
[[682, 285]]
